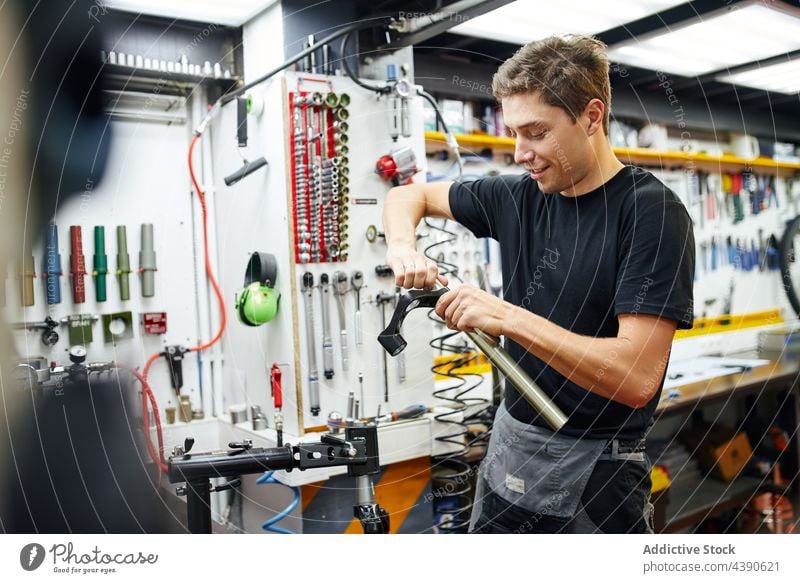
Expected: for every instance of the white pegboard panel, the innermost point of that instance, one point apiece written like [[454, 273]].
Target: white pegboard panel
[[255, 215], [368, 140], [252, 216], [146, 181]]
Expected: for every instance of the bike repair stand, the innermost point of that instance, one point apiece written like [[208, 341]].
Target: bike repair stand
[[358, 451]]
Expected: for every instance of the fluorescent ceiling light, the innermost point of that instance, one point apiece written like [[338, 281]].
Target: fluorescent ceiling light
[[780, 77], [229, 12], [527, 20], [713, 43]]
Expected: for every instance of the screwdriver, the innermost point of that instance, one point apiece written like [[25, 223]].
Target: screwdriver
[[277, 399], [409, 412]]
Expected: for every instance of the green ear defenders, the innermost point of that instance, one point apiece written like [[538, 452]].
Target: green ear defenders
[[258, 302]]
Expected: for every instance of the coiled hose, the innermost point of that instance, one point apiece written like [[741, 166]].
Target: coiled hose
[[452, 473], [269, 525]]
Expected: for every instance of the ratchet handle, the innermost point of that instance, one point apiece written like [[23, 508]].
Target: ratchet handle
[[343, 339], [357, 327]]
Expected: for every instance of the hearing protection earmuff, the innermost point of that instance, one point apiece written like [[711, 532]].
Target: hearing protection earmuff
[[258, 302]]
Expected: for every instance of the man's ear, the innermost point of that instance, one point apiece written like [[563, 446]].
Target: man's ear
[[594, 112]]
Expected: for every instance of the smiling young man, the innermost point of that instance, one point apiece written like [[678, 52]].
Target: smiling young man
[[597, 260]]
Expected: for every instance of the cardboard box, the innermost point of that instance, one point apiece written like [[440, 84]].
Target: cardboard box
[[719, 450]]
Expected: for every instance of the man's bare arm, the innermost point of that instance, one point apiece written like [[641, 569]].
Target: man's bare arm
[[404, 208], [627, 369]]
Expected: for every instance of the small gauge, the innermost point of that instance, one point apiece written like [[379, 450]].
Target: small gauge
[[77, 354], [372, 233], [402, 88]]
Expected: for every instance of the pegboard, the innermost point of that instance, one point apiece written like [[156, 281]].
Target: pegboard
[[146, 181], [368, 140], [259, 213]]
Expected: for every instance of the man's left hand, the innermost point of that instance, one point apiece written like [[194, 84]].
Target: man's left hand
[[468, 308]]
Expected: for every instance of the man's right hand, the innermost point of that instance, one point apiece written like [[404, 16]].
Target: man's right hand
[[412, 269]]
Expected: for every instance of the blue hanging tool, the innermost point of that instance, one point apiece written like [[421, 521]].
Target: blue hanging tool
[[737, 255], [731, 252], [753, 255], [770, 194], [52, 266], [773, 254]]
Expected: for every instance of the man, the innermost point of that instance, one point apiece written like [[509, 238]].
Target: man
[[597, 262]]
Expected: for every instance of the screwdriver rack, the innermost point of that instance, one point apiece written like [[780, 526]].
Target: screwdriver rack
[[320, 174]]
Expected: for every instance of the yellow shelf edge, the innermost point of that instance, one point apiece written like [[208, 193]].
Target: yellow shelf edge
[[736, 322], [642, 153]]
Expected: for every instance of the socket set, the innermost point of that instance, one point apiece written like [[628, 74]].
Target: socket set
[[320, 183]]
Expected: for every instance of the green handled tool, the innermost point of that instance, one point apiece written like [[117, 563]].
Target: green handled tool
[[100, 270], [123, 264]]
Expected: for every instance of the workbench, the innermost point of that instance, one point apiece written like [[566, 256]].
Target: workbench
[[687, 505]]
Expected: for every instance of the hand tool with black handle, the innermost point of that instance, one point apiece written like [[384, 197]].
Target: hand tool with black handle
[[393, 343], [313, 374], [327, 341]]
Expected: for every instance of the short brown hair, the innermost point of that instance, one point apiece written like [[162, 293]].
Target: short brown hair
[[568, 72]]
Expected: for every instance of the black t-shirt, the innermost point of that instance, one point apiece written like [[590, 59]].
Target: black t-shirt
[[625, 248]]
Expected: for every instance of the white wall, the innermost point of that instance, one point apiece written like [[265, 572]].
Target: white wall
[[146, 182]]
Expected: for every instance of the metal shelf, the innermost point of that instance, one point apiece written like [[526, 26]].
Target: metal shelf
[[692, 503], [641, 156], [124, 78]]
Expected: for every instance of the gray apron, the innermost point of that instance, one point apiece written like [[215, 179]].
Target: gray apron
[[535, 468]]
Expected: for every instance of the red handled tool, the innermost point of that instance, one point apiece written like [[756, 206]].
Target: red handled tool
[[77, 265], [275, 375]]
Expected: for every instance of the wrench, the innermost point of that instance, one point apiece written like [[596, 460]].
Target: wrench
[[400, 358], [357, 279], [340, 288], [361, 388], [327, 343], [313, 375], [381, 300]]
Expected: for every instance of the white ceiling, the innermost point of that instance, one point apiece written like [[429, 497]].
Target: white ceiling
[[779, 77], [715, 42], [227, 12]]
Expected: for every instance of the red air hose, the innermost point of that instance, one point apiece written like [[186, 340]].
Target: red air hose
[[147, 393]]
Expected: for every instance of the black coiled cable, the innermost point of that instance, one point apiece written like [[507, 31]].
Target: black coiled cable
[[452, 472]]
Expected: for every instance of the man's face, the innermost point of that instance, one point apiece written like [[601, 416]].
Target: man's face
[[554, 149]]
